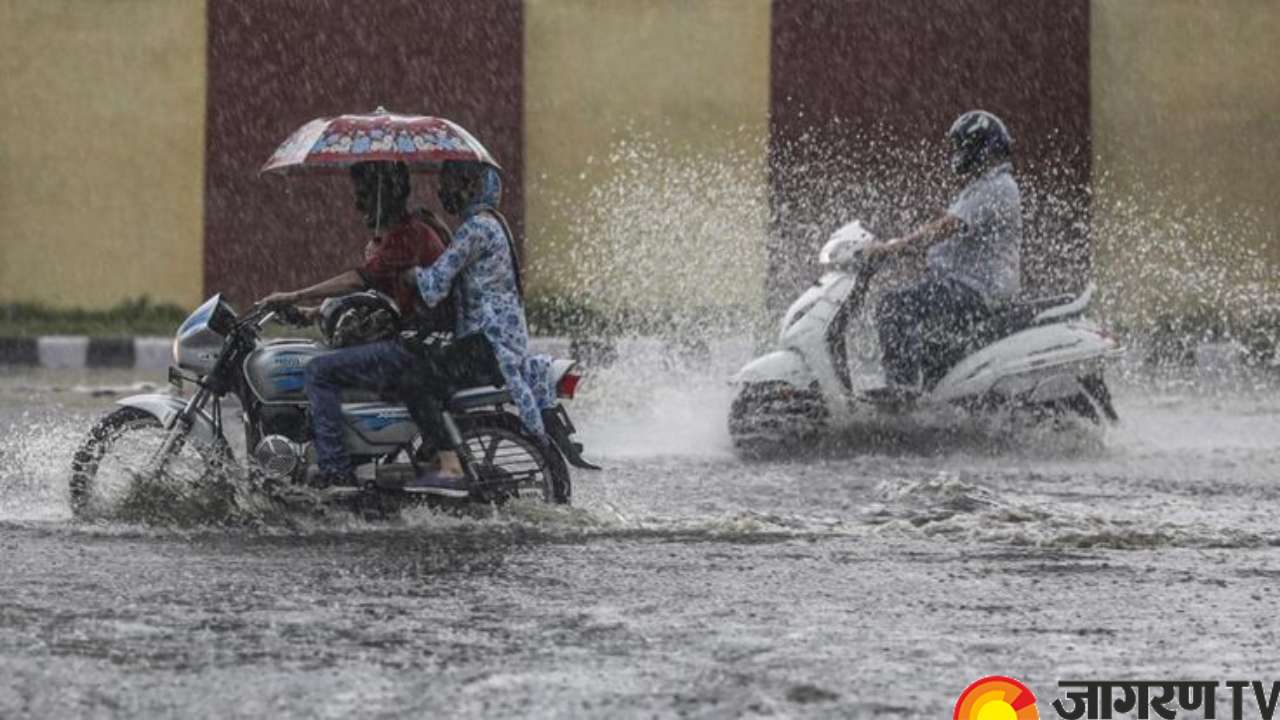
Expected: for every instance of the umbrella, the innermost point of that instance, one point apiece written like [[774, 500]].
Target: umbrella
[[422, 142]]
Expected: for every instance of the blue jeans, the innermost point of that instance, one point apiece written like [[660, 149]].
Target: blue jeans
[[947, 309], [377, 366]]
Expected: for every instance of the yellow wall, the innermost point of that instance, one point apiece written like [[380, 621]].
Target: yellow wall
[[646, 127], [101, 150], [1186, 132], [646, 123]]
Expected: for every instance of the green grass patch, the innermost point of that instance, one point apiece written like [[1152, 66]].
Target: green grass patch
[[138, 316]]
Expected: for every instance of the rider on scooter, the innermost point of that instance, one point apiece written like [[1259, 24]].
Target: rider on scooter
[[491, 344], [972, 249], [400, 240]]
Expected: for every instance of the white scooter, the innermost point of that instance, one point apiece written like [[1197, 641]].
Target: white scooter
[[1043, 355]]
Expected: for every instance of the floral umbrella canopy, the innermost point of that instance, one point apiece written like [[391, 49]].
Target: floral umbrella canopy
[[422, 142]]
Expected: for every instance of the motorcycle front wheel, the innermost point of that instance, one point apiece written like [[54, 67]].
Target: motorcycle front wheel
[[110, 478]]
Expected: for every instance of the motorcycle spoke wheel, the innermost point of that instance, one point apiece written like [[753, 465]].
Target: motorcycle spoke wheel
[[114, 465], [510, 463]]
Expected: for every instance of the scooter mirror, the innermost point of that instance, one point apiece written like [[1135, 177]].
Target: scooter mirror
[[846, 245]]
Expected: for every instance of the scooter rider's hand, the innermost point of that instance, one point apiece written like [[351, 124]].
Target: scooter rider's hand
[[885, 249]]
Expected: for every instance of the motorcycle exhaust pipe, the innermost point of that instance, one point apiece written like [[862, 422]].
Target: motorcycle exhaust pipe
[[393, 477]]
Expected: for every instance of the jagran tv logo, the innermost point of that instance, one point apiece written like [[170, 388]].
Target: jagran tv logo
[[996, 698], [1003, 698]]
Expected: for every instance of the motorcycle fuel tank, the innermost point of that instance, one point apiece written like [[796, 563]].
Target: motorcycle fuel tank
[[276, 371]]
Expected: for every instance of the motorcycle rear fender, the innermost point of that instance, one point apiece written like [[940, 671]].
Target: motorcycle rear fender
[[559, 368], [165, 407], [560, 429], [778, 366]]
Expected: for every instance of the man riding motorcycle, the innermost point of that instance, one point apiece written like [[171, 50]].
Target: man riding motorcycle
[[400, 240], [973, 254], [491, 344]]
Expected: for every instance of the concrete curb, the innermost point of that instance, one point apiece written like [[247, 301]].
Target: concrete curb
[[76, 352]]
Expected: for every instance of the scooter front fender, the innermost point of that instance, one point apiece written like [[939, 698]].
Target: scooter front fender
[[165, 407], [778, 366]]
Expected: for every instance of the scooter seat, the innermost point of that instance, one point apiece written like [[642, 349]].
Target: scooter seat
[[1038, 305], [1004, 322], [1022, 314]]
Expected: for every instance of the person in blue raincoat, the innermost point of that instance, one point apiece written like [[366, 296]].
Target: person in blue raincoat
[[491, 340]]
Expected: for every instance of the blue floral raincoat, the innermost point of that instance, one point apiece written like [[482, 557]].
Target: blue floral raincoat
[[479, 259]]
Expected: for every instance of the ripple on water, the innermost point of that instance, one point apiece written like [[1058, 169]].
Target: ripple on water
[[948, 508]]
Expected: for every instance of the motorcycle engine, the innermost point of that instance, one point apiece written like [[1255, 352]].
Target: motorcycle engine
[[278, 457]]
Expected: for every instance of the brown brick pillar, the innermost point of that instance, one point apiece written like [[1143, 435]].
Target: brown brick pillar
[[863, 92], [274, 64]]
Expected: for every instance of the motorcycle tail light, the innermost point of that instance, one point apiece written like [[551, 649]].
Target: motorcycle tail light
[[568, 385]]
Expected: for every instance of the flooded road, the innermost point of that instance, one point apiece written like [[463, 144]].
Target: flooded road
[[867, 582]]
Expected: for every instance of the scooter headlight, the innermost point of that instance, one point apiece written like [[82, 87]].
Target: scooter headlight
[[845, 245]]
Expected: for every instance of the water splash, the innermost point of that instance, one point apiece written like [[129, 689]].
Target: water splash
[[34, 460], [684, 243], [1175, 276], [669, 242]]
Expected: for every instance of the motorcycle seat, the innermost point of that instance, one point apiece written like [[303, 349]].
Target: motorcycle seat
[[471, 398]]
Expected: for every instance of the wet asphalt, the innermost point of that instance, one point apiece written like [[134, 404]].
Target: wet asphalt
[[871, 579]]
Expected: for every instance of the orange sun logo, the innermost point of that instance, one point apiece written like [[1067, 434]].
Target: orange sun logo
[[996, 698]]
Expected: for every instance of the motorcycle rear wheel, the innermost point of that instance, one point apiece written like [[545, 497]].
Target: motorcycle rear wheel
[[510, 463]]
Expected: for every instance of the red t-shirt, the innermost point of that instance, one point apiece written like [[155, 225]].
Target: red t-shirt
[[410, 243]]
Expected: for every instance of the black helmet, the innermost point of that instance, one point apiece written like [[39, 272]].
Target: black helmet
[[382, 191], [359, 318], [977, 138]]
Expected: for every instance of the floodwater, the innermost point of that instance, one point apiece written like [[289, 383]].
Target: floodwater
[[866, 582]]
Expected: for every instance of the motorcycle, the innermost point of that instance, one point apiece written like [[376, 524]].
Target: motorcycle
[[1042, 355], [221, 354]]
